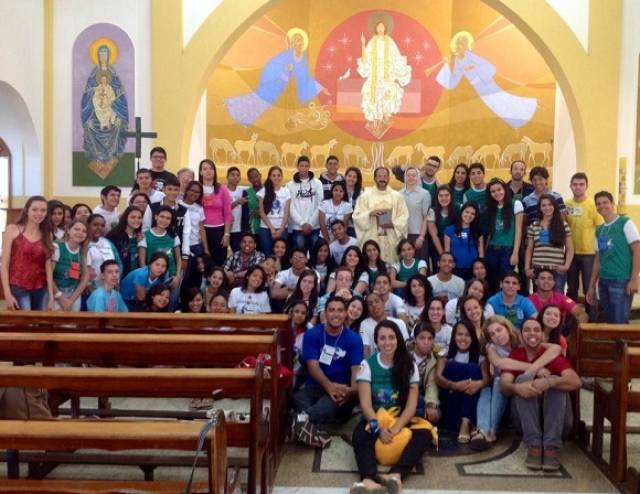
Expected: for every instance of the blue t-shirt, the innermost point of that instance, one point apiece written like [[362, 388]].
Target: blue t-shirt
[[464, 247], [138, 277], [521, 309], [102, 300], [348, 353]]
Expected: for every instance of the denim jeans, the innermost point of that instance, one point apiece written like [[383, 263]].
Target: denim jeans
[[491, 405], [265, 240], [498, 262], [581, 268], [319, 406], [67, 292], [303, 241], [615, 301], [30, 299]]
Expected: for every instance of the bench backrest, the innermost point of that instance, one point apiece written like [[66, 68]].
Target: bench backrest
[[211, 350], [592, 347]]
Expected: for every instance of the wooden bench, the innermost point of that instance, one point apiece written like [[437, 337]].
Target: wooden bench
[[613, 400], [57, 435], [153, 383], [210, 350]]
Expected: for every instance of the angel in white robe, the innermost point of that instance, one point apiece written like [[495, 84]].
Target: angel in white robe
[[514, 110], [385, 71]]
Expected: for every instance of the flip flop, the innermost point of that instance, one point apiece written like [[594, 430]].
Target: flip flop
[[393, 485], [360, 488]]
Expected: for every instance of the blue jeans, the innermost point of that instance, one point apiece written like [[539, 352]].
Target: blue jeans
[[299, 239], [319, 406], [265, 240], [615, 301], [30, 299], [498, 262], [491, 405]]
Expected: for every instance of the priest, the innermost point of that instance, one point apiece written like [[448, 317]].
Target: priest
[[381, 214]]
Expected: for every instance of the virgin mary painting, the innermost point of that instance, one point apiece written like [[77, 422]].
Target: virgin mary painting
[[104, 112], [274, 78]]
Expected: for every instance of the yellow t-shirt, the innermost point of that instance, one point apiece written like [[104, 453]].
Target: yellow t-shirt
[[583, 219]]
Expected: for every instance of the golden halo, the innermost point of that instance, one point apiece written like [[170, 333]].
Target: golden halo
[[109, 43], [385, 18], [296, 30], [461, 34]]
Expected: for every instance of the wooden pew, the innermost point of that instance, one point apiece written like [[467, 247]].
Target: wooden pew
[[592, 353], [221, 350], [151, 383], [613, 400], [55, 435]]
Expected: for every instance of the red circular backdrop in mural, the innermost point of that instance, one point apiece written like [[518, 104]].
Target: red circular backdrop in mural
[[337, 70]]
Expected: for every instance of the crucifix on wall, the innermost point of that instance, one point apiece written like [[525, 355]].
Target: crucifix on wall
[[138, 135]]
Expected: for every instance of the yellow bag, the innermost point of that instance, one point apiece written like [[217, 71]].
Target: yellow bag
[[389, 454]]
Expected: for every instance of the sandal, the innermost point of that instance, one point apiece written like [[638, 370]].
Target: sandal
[[479, 442], [361, 488], [392, 484]]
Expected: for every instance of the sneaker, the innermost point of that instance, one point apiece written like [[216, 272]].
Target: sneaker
[[550, 462], [311, 435], [534, 459]]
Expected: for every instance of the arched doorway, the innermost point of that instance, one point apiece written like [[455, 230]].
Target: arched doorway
[[5, 181]]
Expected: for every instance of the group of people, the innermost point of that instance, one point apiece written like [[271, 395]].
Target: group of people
[[439, 301]]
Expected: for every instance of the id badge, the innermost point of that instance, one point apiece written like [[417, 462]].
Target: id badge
[[603, 243], [326, 355], [74, 270], [544, 237]]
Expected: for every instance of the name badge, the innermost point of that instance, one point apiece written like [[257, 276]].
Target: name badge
[[464, 235], [544, 237], [326, 355], [74, 270], [603, 243]]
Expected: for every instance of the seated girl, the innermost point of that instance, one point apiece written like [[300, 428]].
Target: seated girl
[[388, 378], [251, 297], [191, 301], [134, 286], [158, 298], [461, 375]]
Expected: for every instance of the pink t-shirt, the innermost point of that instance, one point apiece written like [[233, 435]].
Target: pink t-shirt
[[217, 207]]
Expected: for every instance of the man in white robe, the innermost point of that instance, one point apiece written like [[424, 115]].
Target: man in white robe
[[382, 215]]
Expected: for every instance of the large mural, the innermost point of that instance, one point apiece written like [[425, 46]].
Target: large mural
[[381, 87]]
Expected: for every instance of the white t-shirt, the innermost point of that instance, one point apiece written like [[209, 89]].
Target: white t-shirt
[[454, 288], [196, 216], [236, 212], [249, 303], [333, 212], [368, 326], [276, 215], [337, 249], [442, 340], [364, 277], [413, 312], [99, 252], [364, 373], [111, 218], [451, 311], [394, 306]]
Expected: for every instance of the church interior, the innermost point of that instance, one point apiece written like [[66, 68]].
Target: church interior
[[88, 88]]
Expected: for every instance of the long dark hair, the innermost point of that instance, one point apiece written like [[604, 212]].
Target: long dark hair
[[358, 269], [152, 292], [196, 184], [409, 298], [187, 295], [474, 348], [120, 238], [467, 182], [450, 210], [44, 226], [357, 188], [557, 235], [474, 227], [402, 361], [492, 206], [380, 264], [216, 185], [355, 325], [554, 335], [463, 313], [297, 292], [250, 271], [269, 190]]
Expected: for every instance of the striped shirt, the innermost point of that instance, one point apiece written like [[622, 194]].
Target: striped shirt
[[544, 253]]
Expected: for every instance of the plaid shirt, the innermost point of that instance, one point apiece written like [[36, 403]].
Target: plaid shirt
[[237, 262]]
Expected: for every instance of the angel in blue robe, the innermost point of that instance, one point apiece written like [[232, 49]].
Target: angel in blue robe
[[275, 76], [104, 112], [514, 110]]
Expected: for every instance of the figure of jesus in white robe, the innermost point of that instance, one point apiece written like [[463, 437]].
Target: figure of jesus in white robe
[[385, 72]]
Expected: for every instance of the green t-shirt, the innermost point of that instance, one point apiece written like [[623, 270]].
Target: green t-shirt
[[383, 394], [431, 188], [458, 197], [502, 237], [68, 269], [161, 243], [480, 198], [613, 242]]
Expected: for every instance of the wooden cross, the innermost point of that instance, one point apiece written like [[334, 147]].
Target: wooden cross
[[138, 135]]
